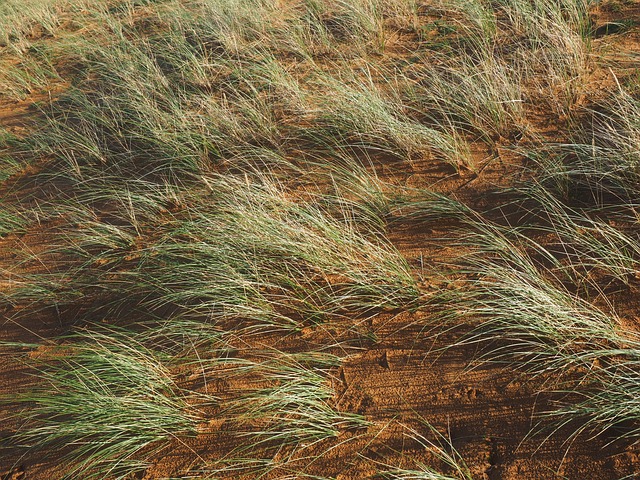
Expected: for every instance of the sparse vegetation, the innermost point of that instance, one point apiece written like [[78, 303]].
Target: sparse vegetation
[[220, 204]]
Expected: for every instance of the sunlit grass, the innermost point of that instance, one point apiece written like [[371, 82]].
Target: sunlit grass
[[103, 402], [219, 168]]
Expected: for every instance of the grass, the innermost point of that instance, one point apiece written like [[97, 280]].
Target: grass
[[592, 244], [210, 182], [9, 164], [295, 408], [110, 401], [103, 404], [221, 262], [481, 96], [442, 449], [18, 21], [10, 221], [600, 165], [556, 36], [522, 297]]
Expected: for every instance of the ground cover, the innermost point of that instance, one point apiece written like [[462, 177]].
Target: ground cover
[[317, 239]]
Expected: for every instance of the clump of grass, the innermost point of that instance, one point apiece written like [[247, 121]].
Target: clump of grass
[[295, 407], [285, 408], [136, 124], [511, 293], [516, 298], [11, 221], [482, 97], [355, 21], [603, 168], [587, 245], [33, 73], [356, 192], [246, 249], [360, 115], [442, 450], [18, 20], [109, 404], [237, 25], [257, 249], [474, 22], [9, 162], [611, 408], [554, 46]]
